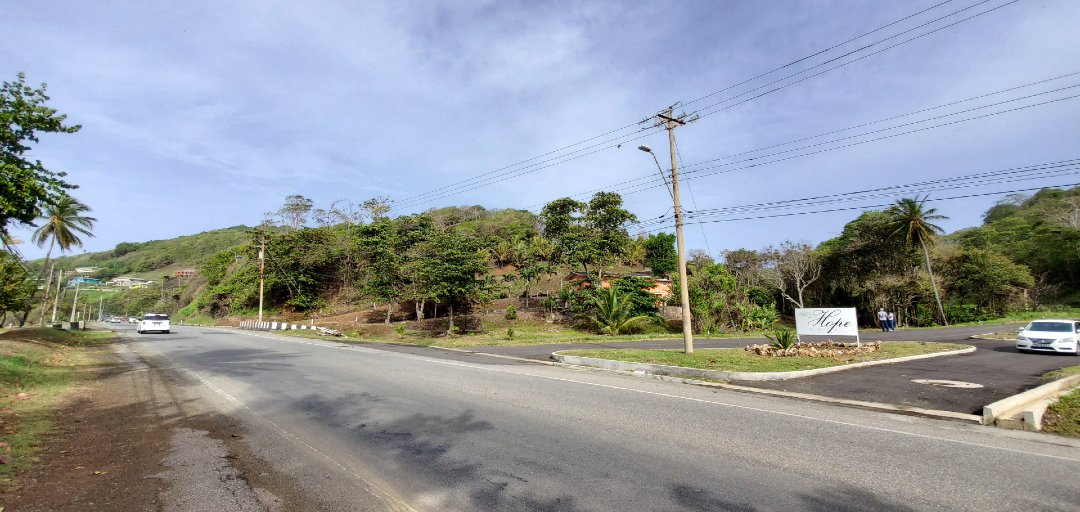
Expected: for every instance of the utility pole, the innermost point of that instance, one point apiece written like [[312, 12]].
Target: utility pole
[[100, 303], [45, 298], [262, 266], [75, 301], [56, 300], [669, 121]]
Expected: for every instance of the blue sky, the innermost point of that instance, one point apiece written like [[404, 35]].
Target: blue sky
[[202, 115]]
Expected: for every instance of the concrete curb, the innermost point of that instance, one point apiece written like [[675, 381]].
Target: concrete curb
[[998, 411], [698, 373]]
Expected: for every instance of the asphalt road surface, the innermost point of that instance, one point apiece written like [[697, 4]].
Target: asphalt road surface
[[385, 430], [995, 365]]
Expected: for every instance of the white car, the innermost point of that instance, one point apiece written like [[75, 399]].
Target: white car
[[153, 322], [1050, 336]]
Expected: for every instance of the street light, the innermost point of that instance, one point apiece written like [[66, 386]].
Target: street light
[[649, 150]]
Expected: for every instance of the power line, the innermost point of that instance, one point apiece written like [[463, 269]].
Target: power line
[[1039, 171], [651, 179], [472, 184]]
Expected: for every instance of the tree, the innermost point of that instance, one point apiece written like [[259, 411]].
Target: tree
[[63, 222], [913, 221], [25, 185], [613, 313], [607, 220], [385, 249], [452, 270], [376, 208], [15, 289], [793, 266], [559, 218], [295, 211], [660, 253]]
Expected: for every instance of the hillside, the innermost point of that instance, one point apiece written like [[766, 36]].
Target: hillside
[[152, 258]]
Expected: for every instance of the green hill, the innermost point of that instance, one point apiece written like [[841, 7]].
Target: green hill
[[151, 259]]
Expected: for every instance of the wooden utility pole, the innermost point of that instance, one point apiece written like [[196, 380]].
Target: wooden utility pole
[[45, 298], [262, 267], [100, 304], [56, 300], [669, 121]]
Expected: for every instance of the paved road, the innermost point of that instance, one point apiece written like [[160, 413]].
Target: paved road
[[996, 365], [421, 433]]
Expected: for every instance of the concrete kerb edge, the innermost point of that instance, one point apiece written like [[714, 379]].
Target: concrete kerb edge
[[857, 404], [682, 371], [1020, 401]]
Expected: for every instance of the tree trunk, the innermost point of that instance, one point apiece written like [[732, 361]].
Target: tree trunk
[[389, 310], [941, 309], [45, 298], [450, 326], [420, 311]]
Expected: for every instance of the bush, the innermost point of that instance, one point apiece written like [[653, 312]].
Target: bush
[[511, 312], [782, 339], [510, 333], [400, 329]]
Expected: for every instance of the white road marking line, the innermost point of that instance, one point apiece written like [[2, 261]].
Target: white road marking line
[[700, 400]]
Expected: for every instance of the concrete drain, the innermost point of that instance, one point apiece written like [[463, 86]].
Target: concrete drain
[[948, 383]]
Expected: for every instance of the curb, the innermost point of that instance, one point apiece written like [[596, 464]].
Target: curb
[[994, 413], [698, 373], [843, 402]]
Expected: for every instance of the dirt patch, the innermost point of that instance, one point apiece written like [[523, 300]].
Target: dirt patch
[[110, 444]]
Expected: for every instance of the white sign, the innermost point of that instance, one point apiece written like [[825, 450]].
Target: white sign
[[826, 321]]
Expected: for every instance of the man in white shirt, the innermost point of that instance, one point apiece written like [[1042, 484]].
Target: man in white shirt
[[892, 321], [883, 319]]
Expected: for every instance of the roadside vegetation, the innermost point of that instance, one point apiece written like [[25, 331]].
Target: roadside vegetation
[[739, 360], [37, 366], [1063, 416]]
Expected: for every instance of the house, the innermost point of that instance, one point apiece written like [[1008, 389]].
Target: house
[[83, 280], [184, 272], [660, 290], [127, 281], [85, 270]]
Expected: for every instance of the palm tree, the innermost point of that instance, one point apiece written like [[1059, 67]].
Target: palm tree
[[63, 222], [910, 219], [501, 252], [612, 313]]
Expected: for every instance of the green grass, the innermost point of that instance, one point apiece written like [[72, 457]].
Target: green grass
[[37, 366], [1063, 416], [738, 360], [1061, 373]]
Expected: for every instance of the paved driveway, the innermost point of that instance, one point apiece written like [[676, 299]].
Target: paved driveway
[[996, 365]]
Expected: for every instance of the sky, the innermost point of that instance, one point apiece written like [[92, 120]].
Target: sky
[[203, 115]]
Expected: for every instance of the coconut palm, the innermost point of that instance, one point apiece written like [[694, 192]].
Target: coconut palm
[[542, 248], [64, 221], [612, 313], [912, 220], [501, 251]]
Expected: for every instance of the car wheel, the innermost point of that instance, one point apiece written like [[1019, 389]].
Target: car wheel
[[166, 332]]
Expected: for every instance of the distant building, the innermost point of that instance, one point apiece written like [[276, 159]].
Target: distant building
[[85, 270], [184, 272], [84, 280], [127, 281], [660, 290]]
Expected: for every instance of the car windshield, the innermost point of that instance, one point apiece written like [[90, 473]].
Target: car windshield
[[1051, 326], [156, 317]]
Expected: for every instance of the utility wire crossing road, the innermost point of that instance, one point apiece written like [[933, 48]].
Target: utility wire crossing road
[[486, 433]]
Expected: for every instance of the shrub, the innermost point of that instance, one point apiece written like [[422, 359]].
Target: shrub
[[782, 339], [400, 329], [510, 333], [511, 312]]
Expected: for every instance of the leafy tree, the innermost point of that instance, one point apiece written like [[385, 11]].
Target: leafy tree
[[660, 253], [385, 251], [376, 208], [25, 185], [452, 270], [989, 279], [911, 220], [123, 248], [15, 289], [295, 211], [559, 217]]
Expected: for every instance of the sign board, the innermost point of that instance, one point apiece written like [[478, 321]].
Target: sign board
[[826, 322]]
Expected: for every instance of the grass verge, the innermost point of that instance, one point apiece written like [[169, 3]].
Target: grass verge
[[1061, 373], [1063, 416], [37, 365], [738, 360]]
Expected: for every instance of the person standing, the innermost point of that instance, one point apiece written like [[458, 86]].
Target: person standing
[[883, 319], [892, 321]]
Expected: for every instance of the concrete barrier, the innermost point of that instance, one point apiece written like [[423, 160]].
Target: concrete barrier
[[1009, 412], [698, 373], [276, 326]]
